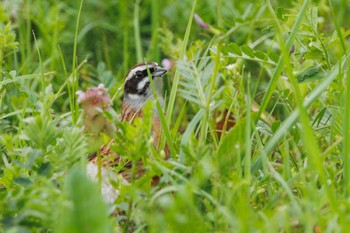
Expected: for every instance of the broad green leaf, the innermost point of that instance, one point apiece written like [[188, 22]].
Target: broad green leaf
[[24, 181], [85, 212]]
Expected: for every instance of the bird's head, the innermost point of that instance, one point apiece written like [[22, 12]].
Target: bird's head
[[137, 86]]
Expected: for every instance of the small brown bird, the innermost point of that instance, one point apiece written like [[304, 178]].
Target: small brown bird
[[137, 91]]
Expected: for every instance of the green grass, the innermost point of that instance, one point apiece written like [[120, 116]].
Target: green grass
[[283, 167]]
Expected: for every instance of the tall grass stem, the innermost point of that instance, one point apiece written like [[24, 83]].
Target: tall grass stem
[[177, 73]]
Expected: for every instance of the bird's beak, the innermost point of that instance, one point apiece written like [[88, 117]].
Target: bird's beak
[[159, 72]]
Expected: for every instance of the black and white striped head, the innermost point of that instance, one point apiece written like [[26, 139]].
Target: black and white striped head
[[137, 86]]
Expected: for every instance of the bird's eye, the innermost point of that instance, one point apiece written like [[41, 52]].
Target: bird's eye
[[139, 74]]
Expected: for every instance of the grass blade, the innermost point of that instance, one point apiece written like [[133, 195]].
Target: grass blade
[[137, 34], [346, 134], [272, 85], [177, 74], [73, 87]]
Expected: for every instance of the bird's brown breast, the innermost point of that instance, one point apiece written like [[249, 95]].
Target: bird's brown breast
[[129, 114]]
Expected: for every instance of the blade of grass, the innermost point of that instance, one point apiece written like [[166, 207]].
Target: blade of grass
[[179, 119], [59, 92], [272, 85], [138, 46], [124, 19], [346, 117], [24, 77], [346, 134], [154, 49], [337, 28], [40, 66], [17, 112], [189, 130], [204, 123], [177, 73], [73, 86], [219, 14], [248, 136], [63, 62], [54, 40], [28, 31], [162, 118], [206, 99]]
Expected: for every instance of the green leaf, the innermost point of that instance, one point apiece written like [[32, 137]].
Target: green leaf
[[274, 56], [261, 55], [318, 118], [234, 48], [314, 54], [248, 51], [86, 211], [23, 181], [44, 169], [225, 50]]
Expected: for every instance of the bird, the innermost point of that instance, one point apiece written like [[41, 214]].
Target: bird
[[137, 91]]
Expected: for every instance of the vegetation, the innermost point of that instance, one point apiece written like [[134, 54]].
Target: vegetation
[[278, 69]]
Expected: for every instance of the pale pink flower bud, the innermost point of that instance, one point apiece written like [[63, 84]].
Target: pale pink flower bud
[[167, 64], [200, 22]]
